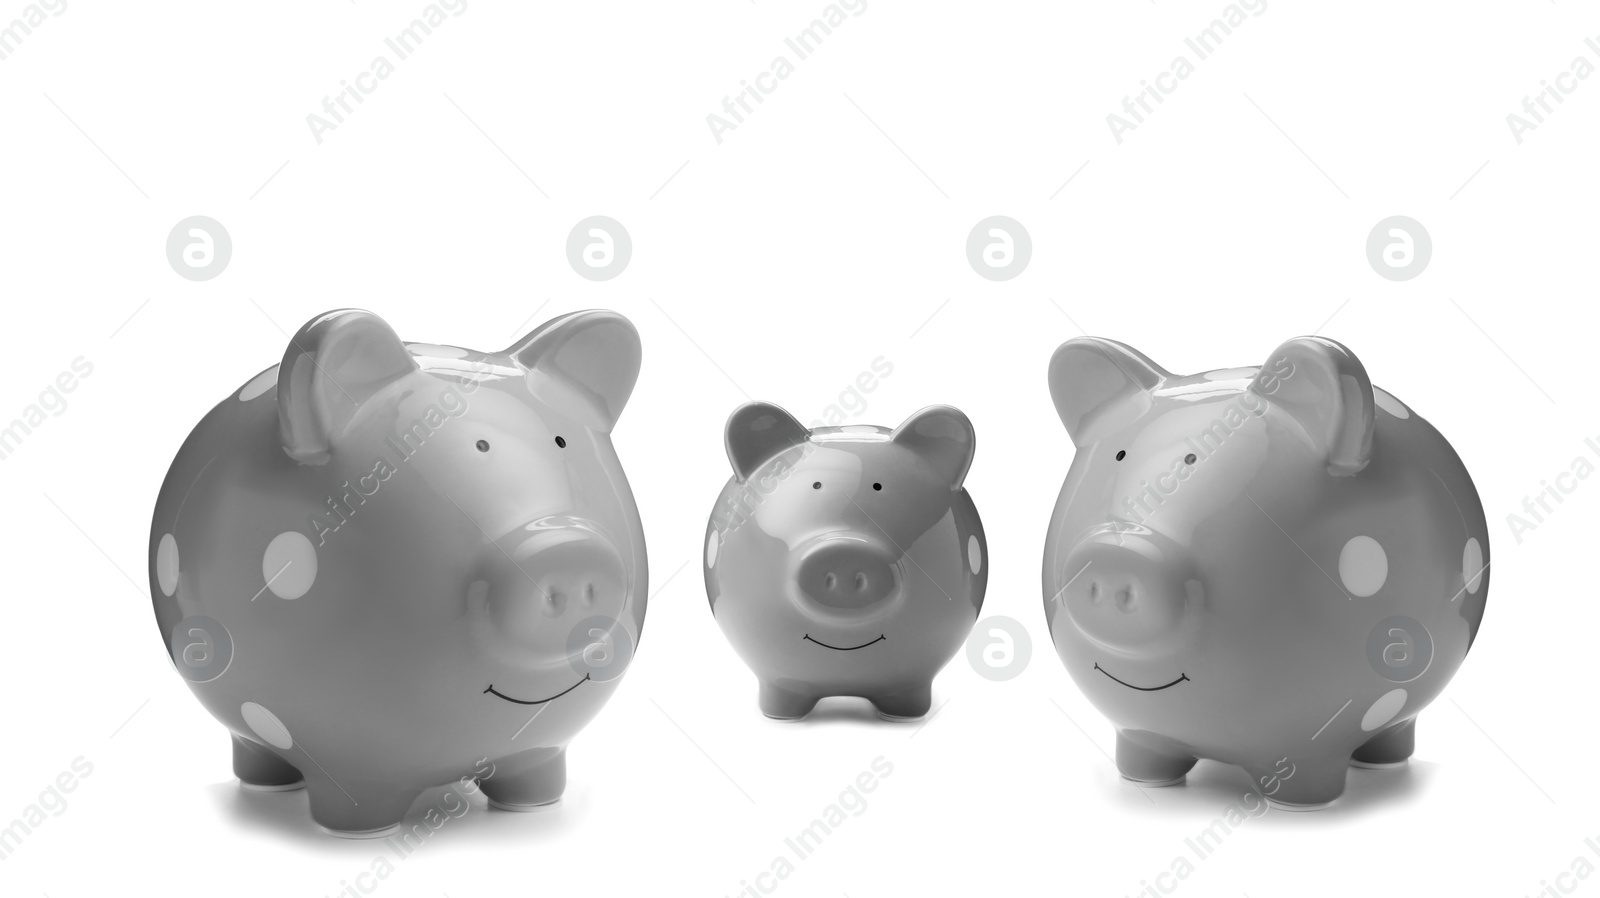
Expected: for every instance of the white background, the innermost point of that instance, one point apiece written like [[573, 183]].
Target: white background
[[827, 230]]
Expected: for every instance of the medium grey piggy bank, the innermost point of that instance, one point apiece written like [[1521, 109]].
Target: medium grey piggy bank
[[846, 560], [387, 566], [1274, 567]]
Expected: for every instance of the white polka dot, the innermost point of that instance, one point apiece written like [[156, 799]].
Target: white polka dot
[[266, 724], [1472, 565], [167, 565], [974, 553], [1363, 566], [1231, 374], [289, 565], [712, 544], [259, 384], [1389, 404], [434, 350], [1383, 710]]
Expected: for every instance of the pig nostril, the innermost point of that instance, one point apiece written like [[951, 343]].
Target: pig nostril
[[1094, 592], [1125, 599], [588, 595], [844, 577]]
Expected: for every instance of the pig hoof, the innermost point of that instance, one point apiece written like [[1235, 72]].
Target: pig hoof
[[1154, 784], [273, 787], [1390, 748], [524, 808], [389, 830], [896, 718], [781, 704], [1148, 767], [1375, 765], [1289, 806], [913, 704], [260, 769]]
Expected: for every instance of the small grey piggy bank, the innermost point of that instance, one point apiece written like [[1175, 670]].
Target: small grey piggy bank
[[387, 566], [1274, 567], [846, 560]]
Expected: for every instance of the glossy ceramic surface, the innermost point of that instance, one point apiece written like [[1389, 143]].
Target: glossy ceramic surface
[[386, 566], [1276, 567], [846, 560]]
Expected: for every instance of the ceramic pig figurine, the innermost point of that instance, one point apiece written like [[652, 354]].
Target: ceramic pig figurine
[[1273, 567], [387, 566], [846, 560]]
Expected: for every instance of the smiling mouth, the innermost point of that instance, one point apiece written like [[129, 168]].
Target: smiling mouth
[[850, 648], [1181, 678], [542, 700]]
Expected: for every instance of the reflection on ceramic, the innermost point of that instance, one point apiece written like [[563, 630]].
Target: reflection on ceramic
[[846, 560], [384, 568], [1273, 567]]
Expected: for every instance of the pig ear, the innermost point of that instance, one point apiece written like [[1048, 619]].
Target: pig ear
[[944, 436], [1098, 384], [332, 366], [1324, 387], [756, 432], [594, 353]]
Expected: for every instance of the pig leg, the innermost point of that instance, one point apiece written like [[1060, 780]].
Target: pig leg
[[261, 770], [908, 705], [781, 704], [1389, 748], [1149, 767], [527, 786], [1306, 787], [354, 810]]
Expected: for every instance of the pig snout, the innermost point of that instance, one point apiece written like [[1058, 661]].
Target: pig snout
[[1133, 593], [548, 577], [846, 575]]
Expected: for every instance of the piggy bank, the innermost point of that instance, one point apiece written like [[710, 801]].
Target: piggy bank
[[846, 560], [387, 566], [1273, 567]]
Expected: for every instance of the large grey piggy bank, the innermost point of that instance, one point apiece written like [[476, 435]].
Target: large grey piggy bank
[[386, 566], [846, 560], [1273, 567]]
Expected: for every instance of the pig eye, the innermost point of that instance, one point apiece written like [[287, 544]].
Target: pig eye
[[817, 485], [561, 443], [877, 486], [483, 445], [1121, 454], [1189, 459]]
